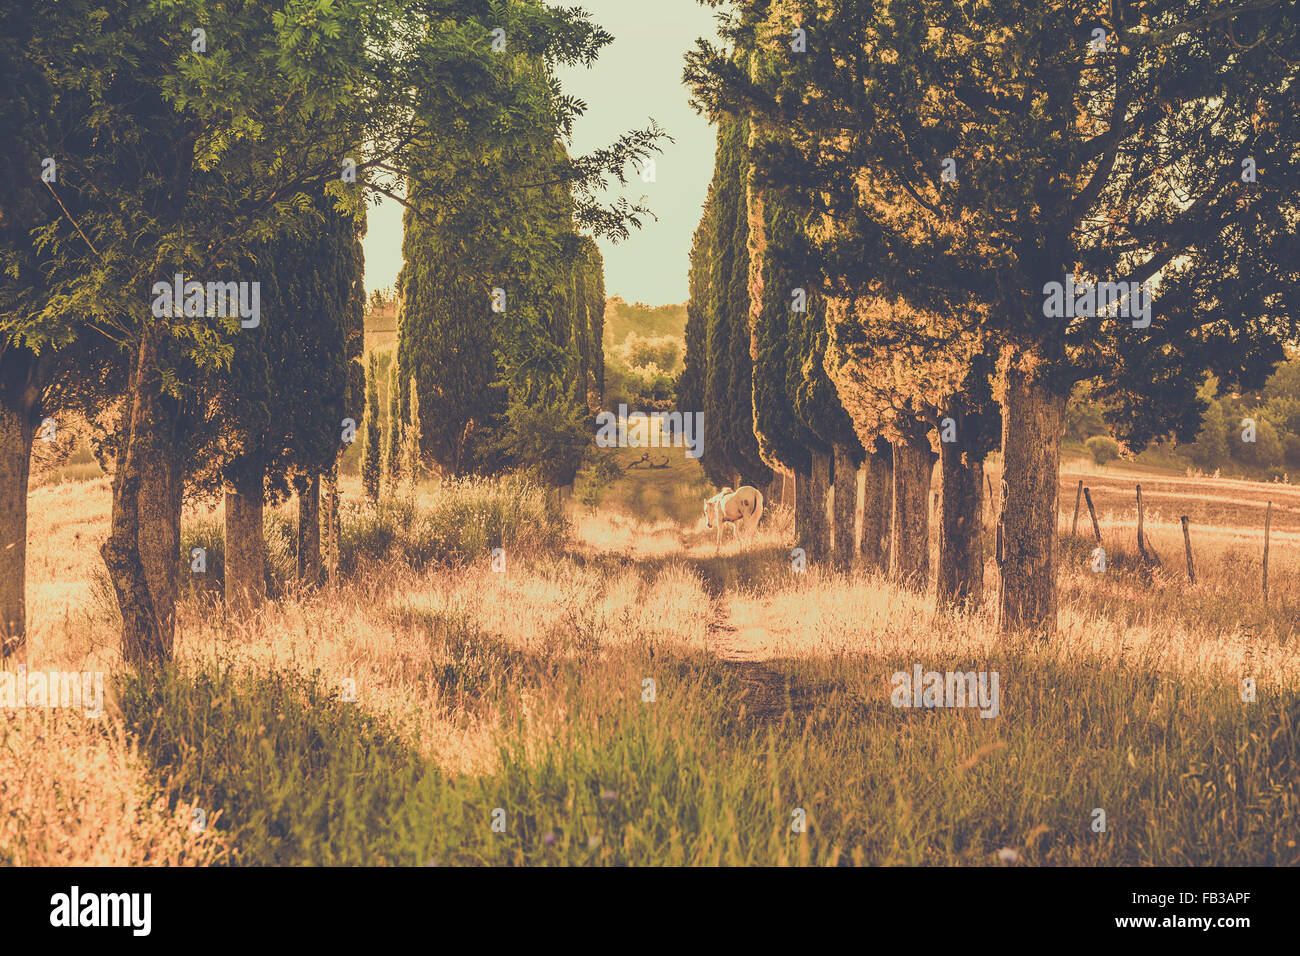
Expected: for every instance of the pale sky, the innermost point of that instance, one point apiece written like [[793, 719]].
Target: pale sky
[[637, 78]]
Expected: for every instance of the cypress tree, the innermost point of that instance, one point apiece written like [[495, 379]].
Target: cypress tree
[[411, 437], [690, 383], [728, 386], [392, 466], [447, 345], [1103, 165], [372, 438]]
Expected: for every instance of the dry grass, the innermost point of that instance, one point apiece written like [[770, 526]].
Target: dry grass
[[478, 671], [75, 793]]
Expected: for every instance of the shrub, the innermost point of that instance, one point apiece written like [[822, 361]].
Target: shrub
[[1103, 448], [468, 517]]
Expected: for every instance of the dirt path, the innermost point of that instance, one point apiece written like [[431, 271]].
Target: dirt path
[[767, 692]]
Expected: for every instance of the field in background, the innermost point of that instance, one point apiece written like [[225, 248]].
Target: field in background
[[388, 721]]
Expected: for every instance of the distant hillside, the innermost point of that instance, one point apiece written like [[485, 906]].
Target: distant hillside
[[648, 321]]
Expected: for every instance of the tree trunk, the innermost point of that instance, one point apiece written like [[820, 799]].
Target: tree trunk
[[245, 548], [909, 527], [308, 492], [17, 429], [877, 509], [844, 500], [1031, 436], [162, 491], [144, 640], [812, 530], [330, 516], [961, 528]]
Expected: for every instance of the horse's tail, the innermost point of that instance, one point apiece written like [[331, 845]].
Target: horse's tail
[[757, 513]]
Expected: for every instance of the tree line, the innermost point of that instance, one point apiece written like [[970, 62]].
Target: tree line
[[929, 222], [226, 149]]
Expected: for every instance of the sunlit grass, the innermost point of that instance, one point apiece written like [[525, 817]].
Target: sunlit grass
[[526, 689]]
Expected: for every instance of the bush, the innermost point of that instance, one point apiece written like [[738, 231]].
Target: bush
[[468, 518], [606, 471], [1103, 448]]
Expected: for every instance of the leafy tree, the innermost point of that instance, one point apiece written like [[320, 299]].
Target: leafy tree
[[548, 440], [1103, 448], [232, 164]]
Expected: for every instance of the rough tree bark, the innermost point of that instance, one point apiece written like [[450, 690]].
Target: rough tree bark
[[143, 638], [1031, 435], [17, 428], [877, 510], [811, 527], [961, 528], [245, 564], [307, 490], [162, 491], [844, 500], [909, 527]]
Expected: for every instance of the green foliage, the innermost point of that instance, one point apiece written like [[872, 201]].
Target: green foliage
[[392, 465], [549, 441], [283, 399], [1266, 449], [372, 435], [690, 384], [642, 389], [730, 447], [604, 473], [1084, 415], [1102, 448], [411, 431], [1063, 160]]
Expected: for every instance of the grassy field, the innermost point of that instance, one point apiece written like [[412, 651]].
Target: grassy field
[[623, 692]]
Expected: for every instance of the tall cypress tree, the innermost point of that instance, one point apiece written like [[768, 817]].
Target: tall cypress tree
[[691, 381], [372, 439], [447, 345], [728, 386]]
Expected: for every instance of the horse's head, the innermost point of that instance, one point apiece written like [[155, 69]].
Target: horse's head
[[712, 507]]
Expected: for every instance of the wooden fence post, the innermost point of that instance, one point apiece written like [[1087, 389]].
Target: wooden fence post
[[1096, 528], [1187, 545], [1074, 525], [1149, 556]]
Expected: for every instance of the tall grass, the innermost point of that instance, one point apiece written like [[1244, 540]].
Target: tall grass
[[1190, 776], [448, 522], [523, 691]]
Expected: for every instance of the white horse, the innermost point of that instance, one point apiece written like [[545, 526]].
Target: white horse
[[740, 508]]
